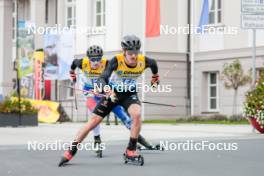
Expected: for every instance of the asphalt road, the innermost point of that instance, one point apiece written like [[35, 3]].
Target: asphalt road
[[248, 159]]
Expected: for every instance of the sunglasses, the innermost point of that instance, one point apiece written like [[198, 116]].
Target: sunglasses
[[95, 59], [131, 52]]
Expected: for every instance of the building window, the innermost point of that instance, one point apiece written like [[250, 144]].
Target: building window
[[215, 12], [99, 13], [70, 13], [213, 91]]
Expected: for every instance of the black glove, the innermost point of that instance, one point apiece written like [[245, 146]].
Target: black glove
[[155, 80], [73, 76]]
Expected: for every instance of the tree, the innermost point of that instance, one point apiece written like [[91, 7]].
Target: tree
[[234, 77]]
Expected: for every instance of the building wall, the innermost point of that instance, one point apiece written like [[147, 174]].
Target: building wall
[[6, 64], [1, 43], [173, 15], [37, 16], [213, 61], [223, 48], [230, 18], [172, 71]]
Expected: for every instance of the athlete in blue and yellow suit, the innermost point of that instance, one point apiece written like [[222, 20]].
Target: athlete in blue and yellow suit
[[121, 72], [92, 66]]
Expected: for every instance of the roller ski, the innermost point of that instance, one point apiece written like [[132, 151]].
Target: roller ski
[[132, 157], [151, 147], [97, 143], [99, 153], [68, 155]]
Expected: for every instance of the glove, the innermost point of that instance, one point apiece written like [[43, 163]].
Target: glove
[[113, 97], [155, 81], [110, 94], [73, 75]]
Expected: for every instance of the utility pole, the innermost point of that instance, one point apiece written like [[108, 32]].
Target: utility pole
[[17, 65]]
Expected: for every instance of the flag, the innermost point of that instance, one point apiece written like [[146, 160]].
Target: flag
[[204, 19], [38, 60], [152, 18]]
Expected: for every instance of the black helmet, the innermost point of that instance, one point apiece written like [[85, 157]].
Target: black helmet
[[94, 51], [131, 42]]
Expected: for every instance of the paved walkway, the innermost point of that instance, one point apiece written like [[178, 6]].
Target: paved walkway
[[66, 132], [248, 159]]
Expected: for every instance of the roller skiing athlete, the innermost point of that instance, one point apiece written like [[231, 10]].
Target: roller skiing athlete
[[118, 110], [122, 71], [92, 66]]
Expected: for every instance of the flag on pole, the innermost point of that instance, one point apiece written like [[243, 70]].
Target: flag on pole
[[204, 19], [152, 18]]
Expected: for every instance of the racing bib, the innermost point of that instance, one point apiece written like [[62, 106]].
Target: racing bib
[[125, 78], [89, 75]]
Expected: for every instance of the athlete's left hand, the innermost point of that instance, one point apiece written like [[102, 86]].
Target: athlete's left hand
[[155, 80], [73, 76]]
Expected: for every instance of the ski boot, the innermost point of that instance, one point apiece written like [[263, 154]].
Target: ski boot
[[97, 143], [144, 145], [132, 157], [107, 120], [116, 120], [68, 155], [151, 147]]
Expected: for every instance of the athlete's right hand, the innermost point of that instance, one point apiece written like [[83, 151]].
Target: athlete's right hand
[[73, 75], [155, 80], [110, 94]]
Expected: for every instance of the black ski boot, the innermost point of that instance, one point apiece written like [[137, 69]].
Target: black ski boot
[[97, 143], [145, 145]]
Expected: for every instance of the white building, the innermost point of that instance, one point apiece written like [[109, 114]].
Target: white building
[[212, 51], [6, 64], [116, 18]]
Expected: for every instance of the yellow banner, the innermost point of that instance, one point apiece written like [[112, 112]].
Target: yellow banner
[[47, 110]]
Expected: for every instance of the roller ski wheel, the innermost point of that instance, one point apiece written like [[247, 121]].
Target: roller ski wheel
[[131, 157], [99, 153], [65, 159]]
